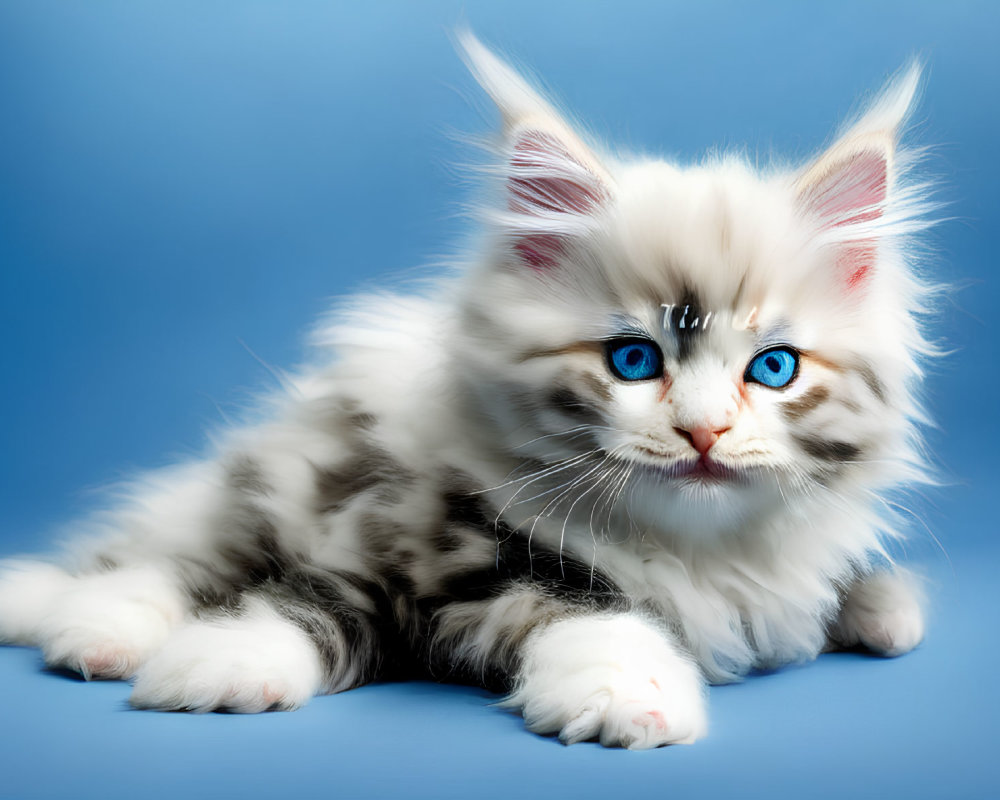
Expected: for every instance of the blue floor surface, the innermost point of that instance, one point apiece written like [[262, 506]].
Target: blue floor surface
[[847, 725]]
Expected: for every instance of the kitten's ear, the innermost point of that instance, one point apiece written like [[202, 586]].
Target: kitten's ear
[[554, 185], [849, 189]]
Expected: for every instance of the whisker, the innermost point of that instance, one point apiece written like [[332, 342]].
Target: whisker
[[586, 428], [554, 503], [537, 476], [550, 467]]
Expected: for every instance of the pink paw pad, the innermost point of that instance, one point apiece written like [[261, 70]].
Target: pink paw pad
[[106, 662], [659, 722]]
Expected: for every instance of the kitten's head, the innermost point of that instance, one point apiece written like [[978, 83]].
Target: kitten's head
[[710, 343]]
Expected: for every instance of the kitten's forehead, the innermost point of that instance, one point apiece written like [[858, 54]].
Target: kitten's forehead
[[687, 322], [730, 234], [689, 329]]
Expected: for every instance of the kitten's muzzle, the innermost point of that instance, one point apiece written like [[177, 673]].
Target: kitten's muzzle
[[701, 439]]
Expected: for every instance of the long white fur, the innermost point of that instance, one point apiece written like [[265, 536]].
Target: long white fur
[[743, 588], [247, 663], [615, 677]]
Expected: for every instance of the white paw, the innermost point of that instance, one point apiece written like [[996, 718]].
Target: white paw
[[106, 624], [27, 592], [882, 612], [250, 663], [613, 678]]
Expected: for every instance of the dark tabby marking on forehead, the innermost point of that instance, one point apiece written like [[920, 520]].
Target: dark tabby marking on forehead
[[686, 320], [828, 450], [810, 400], [369, 467]]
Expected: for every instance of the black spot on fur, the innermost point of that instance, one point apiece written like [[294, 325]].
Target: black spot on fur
[[447, 541], [875, 386], [597, 387], [106, 563], [534, 608], [252, 552], [364, 421], [517, 560], [812, 399], [568, 402], [359, 641], [376, 621], [827, 450], [466, 509], [370, 468], [245, 475]]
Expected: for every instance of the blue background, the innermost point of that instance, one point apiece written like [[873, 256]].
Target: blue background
[[185, 184]]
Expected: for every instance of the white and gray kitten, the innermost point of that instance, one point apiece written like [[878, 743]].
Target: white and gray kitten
[[640, 444]]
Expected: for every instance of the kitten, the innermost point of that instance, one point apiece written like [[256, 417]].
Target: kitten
[[638, 446]]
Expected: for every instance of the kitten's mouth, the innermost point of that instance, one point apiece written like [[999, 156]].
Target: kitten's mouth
[[703, 470], [706, 469]]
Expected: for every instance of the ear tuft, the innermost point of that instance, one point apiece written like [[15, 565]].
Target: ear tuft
[[517, 101], [553, 183], [849, 184], [545, 178], [849, 188]]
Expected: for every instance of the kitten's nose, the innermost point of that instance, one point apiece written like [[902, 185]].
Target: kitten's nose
[[702, 439]]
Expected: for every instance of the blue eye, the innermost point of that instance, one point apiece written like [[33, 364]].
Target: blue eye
[[634, 359], [774, 368]]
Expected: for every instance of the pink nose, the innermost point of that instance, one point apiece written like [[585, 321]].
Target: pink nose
[[702, 439]]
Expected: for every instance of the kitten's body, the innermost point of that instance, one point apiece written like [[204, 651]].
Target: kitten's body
[[470, 492]]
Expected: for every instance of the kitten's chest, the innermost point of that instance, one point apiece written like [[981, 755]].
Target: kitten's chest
[[734, 614]]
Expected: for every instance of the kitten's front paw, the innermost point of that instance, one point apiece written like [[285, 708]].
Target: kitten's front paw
[[28, 590], [613, 678], [105, 625], [883, 613], [252, 663]]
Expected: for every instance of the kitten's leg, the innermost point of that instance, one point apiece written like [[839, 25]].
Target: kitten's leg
[[579, 673], [102, 625], [614, 677], [28, 590], [882, 612], [314, 632], [251, 661]]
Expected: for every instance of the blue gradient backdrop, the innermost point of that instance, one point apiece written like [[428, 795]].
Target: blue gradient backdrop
[[183, 183]]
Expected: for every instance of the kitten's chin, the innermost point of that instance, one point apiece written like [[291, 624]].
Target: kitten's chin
[[702, 500]]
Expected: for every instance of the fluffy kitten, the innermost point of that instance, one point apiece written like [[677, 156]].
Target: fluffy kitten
[[639, 445]]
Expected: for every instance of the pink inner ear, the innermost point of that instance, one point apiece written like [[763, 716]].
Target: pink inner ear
[[859, 185], [539, 250], [855, 262], [545, 178], [546, 182], [854, 191]]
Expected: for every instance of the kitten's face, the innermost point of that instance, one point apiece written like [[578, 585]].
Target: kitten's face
[[710, 396], [703, 346]]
